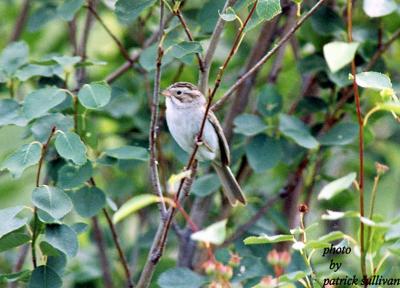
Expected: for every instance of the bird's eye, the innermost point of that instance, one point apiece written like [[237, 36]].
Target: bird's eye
[[179, 92]]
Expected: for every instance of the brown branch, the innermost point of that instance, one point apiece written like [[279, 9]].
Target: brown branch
[[111, 34], [360, 138], [72, 36], [81, 72], [45, 146], [178, 13], [203, 79], [155, 179], [184, 186], [21, 21], [116, 242], [135, 55], [119, 249], [241, 98], [257, 216], [382, 49], [98, 237], [20, 262], [267, 56]]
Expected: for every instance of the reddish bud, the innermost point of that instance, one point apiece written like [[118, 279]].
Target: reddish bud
[[303, 208], [235, 260], [209, 267], [268, 282]]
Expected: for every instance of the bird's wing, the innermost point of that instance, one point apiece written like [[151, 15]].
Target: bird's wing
[[223, 144]]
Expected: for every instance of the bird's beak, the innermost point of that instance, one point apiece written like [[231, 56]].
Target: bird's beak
[[166, 93]]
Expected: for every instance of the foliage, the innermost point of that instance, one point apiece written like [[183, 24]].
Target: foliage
[[92, 185]]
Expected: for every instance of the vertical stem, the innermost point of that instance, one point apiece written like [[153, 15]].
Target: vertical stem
[[35, 217], [98, 237], [360, 138], [119, 249]]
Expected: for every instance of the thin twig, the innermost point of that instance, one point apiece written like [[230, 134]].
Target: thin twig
[[20, 22], [98, 237], [116, 242], [360, 138], [244, 227], [119, 249], [219, 27], [135, 55], [45, 146], [183, 187], [382, 49], [178, 13], [155, 179], [111, 34], [267, 56]]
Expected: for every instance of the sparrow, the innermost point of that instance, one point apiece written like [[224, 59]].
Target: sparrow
[[185, 109]]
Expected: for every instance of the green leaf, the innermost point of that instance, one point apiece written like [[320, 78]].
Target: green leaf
[[47, 218], [129, 153], [268, 9], [325, 21], [26, 156], [67, 61], [70, 147], [42, 126], [335, 187], [181, 278], [23, 275], [95, 95], [228, 15], [122, 103], [379, 8], [292, 276], [57, 262], [14, 56], [128, 11], [265, 11], [41, 16], [13, 239], [88, 201], [206, 185], [264, 239], [332, 236], [269, 102], [63, 238], [184, 48], [11, 113], [214, 234], [44, 277], [373, 80], [38, 102], [248, 124], [32, 70], [340, 134], [71, 176], [68, 9], [336, 215], [52, 200], [134, 204], [9, 220], [339, 54], [295, 129], [263, 153]]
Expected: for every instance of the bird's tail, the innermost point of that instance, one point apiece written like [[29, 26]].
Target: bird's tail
[[230, 186]]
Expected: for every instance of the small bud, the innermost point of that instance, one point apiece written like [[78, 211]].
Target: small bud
[[303, 208], [284, 258], [381, 168], [215, 284], [268, 282], [226, 272], [387, 94], [209, 267], [273, 257], [235, 260]]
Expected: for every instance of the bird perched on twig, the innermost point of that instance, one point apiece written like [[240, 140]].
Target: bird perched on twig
[[186, 107]]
